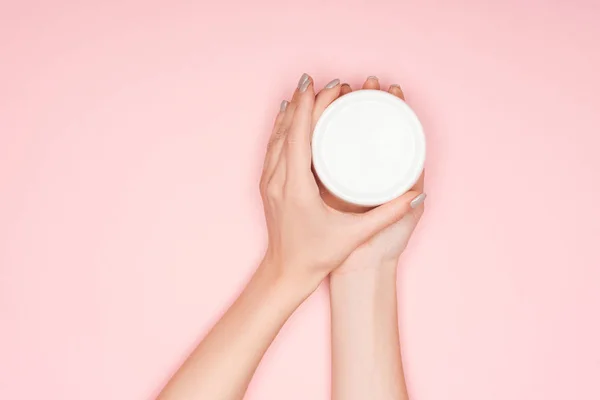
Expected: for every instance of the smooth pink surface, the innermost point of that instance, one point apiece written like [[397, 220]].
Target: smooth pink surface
[[132, 137]]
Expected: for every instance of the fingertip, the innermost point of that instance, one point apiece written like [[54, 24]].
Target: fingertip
[[304, 83], [307, 97], [372, 83], [398, 207], [283, 106], [345, 89], [418, 200], [325, 97], [334, 84], [300, 129], [330, 92], [386, 214], [301, 87], [396, 90]]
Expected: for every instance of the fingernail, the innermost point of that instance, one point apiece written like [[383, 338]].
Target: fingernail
[[332, 84], [302, 80], [397, 90], [417, 201], [304, 84], [373, 77], [283, 105]]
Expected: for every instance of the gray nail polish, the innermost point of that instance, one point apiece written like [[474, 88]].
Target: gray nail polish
[[304, 85], [417, 201], [302, 80], [283, 105], [332, 84], [372, 77]]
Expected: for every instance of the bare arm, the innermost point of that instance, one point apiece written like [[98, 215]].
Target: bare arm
[[222, 366], [366, 358], [307, 240]]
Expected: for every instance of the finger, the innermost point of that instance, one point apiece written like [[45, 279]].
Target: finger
[[330, 92], [385, 215], [345, 89], [275, 133], [272, 152], [298, 155], [420, 185], [276, 142], [396, 90], [372, 82], [279, 172]]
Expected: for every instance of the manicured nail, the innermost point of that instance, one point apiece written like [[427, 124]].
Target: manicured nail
[[302, 88], [417, 201], [332, 84], [302, 80], [373, 77], [283, 105], [395, 85]]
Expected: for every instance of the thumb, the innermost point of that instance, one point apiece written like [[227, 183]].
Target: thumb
[[386, 214]]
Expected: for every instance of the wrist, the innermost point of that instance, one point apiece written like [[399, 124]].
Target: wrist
[[360, 297], [356, 267], [285, 282], [364, 280]]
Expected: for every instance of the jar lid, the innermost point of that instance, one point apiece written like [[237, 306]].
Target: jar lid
[[368, 147]]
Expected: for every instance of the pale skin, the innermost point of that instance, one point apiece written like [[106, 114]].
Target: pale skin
[[366, 357], [312, 236]]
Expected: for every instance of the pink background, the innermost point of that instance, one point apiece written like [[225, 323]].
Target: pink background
[[132, 136]]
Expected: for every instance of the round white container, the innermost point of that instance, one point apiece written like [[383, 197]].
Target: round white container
[[368, 148]]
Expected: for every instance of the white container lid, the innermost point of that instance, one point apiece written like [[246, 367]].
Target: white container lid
[[368, 147]]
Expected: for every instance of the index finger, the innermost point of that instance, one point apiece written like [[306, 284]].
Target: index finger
[[298, 149]]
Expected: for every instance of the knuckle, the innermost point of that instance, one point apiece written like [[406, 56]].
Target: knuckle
[[278, 135], [262, 186], [272, 192]]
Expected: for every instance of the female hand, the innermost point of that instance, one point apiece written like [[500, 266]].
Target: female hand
[[385, 247], [307, 240], [307, 237]]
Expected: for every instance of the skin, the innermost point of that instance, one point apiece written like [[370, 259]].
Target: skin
[[308, 239], [366, 357]]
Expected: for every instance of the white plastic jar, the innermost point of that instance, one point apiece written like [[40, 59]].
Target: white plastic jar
[[368, 148]]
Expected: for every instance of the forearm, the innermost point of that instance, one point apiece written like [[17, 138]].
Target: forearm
[[222, 366], [366, 357]]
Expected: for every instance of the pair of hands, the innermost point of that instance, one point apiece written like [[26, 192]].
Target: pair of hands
[[311, 233]]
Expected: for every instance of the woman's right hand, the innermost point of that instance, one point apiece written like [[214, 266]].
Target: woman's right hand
[[384, 249], [307, 238]]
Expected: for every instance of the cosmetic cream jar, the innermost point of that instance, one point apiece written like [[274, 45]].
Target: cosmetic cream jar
[[368, 148]]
